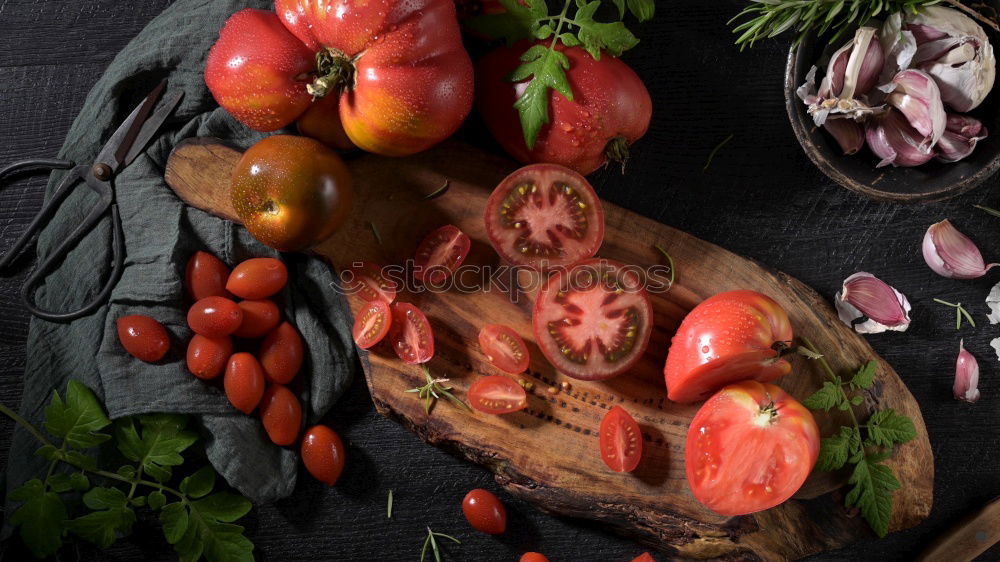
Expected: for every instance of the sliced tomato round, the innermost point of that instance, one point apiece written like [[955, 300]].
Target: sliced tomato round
[[593, 320], [504, 348], [410, 334], [497, 394], [621, 440], [544, 216], [749, 448], [440, 254], [372, 323], [368, 281]]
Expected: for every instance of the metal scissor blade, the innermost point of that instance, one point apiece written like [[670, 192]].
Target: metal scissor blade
[[128, 130], [152, 126]]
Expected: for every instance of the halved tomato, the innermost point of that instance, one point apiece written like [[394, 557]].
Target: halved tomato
[[368, 281], [372, 323], [411, 334], [621, 440], [497, 394], [593, 320], [504, 348], [543, 216], [440, 254], [727, 338], [749, 448]]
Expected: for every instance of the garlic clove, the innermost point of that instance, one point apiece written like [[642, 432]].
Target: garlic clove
[[849, 134], [871, 306], [918, 98], [993, 303], [960, 137], [966, 385], [952, 254], [895, 141], [852, 72]]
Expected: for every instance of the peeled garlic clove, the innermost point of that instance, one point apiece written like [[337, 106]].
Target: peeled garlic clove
[[896, 142], [966, 385], [952, 254], [852, 72], [960, 138], [916, 96], [871, 306], [849, 134]]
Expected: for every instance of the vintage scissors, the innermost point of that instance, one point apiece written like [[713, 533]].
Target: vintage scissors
[[121, 149]]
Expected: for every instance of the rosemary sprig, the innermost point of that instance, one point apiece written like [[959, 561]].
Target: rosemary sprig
[[431, 541], [434, 390], [711, 155], [375, 232], [388, 509], [988, 210], [960, 312], [437, 192]]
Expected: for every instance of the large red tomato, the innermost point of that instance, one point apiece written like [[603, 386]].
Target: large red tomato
[[732, 336], [749, 448], [611, 109]]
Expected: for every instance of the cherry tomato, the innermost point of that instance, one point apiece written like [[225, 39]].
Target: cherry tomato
[[366, 280], [644, 557], [372, 323], [259, 318], [281, 414], [610, 110], [533, 557], [621, 440], [257, 278], [411, 334], [544, 216], [593, 320], [291, 192], [749, 448], [205, 276], [244, 382], [323, 454], [440, 254], [497, 394], [207, 357], [143, 337], [215, 317], [322, 122], [504, 348], [485, 511], [732, 336], [281, 354]]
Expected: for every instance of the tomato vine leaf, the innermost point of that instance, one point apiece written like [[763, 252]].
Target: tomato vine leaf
[[159, 445], [78, 419], [886, 428], [872, 493], [826, 398], [547, 69], [39, 520]]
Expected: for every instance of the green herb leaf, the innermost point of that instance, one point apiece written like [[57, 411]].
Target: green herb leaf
[[547, 67], [174, 518], [886, 428], [872, 493], [39, 519], [515, 23], [48, 452], [80, 460], [104, 498], [223, 506], [200, 483], [103, 527], [60, 482], [807, 353], [865, 377], [156, 500], [834, 450], [643, 10], [826, 398], [79, 481], [209, 530], [160, 445], [78, 419], [595, 36]]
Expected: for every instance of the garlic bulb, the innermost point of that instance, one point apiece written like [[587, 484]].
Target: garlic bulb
[[852, 72], [960, 137]]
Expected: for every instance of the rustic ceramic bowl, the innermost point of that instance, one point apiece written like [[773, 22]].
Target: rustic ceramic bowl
[[933, 181]]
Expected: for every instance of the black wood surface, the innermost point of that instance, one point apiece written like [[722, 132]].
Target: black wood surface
[[760, 197]]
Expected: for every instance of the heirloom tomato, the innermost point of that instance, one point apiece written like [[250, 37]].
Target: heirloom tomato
[[322, 122], [729, 337], [291, 192], [281, 414], [323, 454], [497, 394], [749, 448], [621, 440], [485, 511], [244, 382], [504, 348], [610, 109], [143, 337], [205, 276]]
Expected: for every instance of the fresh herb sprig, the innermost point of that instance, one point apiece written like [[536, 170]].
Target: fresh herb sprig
[[431, 541], [960, 313], [573, 25], [198, 523], [435, 389], [864, 446]]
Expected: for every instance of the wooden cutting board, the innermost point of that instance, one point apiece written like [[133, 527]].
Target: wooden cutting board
[[548, 453]]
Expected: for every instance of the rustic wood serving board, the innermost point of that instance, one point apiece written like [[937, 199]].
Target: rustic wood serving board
[[548, 453]]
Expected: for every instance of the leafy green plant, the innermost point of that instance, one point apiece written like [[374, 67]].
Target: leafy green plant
[[865, 446], [197, 523]]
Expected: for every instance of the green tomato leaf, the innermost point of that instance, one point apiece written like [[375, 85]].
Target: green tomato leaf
[[834, 450], [103, 527], [80, 460], [210, 532], [174, 518], [872, 494], [515, 23], [60, 482], [568, 39], [547, 67], [47, 451], [79, 481], [595, 36], [544, 32], [105, 498], [643, 10], [156, 500], [128, 471], [39, 520], [200, 483], [826, 398], [159, 445], [222, 506], [620, 4], [865, 377], [225, 542], [78, 419], [887, 428]]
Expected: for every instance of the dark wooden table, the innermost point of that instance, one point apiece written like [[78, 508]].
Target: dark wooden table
[[761, 197]]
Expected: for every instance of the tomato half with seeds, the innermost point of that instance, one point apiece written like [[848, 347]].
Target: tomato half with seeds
[[440, 254], [484, 511], [621, 440], [543, 216], [504, 348], [411, 334], [729, 337], [497, 394], [372, 323], [368, 281], [749, 448], [593, 320]]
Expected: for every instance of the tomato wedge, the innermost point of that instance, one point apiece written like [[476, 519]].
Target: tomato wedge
[[504, 348], [593, 320], [749, 448], [544, 216], [621, 440], [411, 334], [497, 394], [372, 323], [440, 254], [368, 281]]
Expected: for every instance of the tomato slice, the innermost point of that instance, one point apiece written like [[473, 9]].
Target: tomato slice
[[368, 281], [749, 448], [621, 440], [372, 323], [504, 348], [544, 216], [497, 394], [411, 334], [440, 254], [593, 320]]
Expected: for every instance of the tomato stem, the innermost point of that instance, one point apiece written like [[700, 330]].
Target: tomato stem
[[617, 151], [334, 70]]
